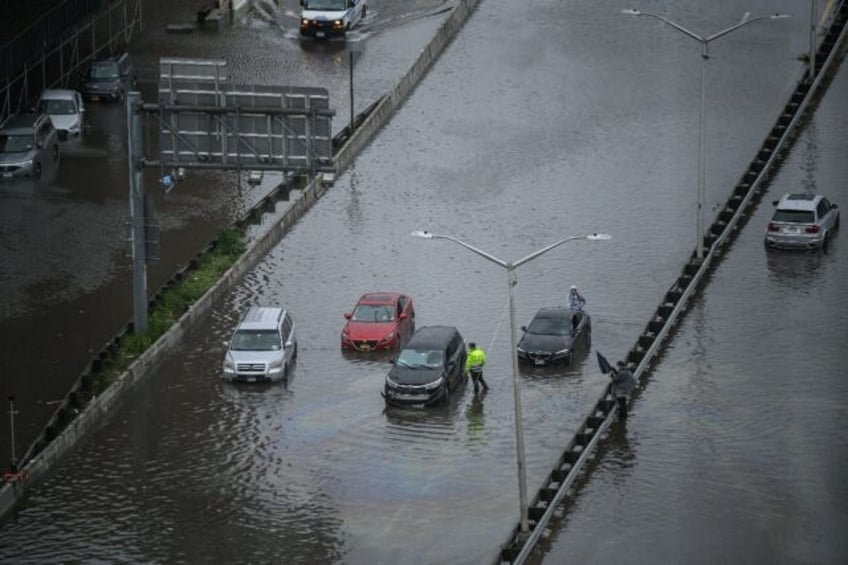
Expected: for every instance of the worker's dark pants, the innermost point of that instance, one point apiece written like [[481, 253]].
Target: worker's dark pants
[[622, 406], [477, 379]]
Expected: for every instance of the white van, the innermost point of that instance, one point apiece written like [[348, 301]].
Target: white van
[[323, 19], [263, 347]]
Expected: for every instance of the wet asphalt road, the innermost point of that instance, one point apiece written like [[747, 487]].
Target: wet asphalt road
[[509, 146], [65, 284], [735, 452]]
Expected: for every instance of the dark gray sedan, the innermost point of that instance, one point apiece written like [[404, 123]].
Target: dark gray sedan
[[554, 335]]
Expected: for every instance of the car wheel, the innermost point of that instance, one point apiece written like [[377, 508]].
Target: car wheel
[[36, 170], [447, 393]]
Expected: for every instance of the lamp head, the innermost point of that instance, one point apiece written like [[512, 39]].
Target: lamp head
[[424, 234], [598, 236], [631, 12]]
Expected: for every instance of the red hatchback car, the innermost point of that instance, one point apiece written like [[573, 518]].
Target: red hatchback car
[[381, 321]]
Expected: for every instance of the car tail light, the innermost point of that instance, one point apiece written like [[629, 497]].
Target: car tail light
[[812, 229], [773, 227]]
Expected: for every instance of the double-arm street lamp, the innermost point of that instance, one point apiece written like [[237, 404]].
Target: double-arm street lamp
[[511, 282], [704, 41]]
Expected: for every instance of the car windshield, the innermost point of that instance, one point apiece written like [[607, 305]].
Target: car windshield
[[15, 143], [58, 107], [794, 216], [372, 313], [103, 70], [330, 5], [256, 340], [549, 326], [421, 358]]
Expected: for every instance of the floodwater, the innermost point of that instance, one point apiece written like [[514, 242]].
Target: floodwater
[[580, 120], [65, 280], [735, 452]]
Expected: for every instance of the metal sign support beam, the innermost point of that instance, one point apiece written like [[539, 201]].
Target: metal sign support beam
[[138, 220]]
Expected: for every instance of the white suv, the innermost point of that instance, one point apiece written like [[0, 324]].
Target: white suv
[[802, 221], [263, 347]]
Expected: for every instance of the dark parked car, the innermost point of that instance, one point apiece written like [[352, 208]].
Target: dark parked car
[[554, 336], [802, 221], [27, 142], [428, 368], [109, 78], [381, 321]]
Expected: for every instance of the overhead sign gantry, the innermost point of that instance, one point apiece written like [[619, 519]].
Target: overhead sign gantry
[[205, 121]]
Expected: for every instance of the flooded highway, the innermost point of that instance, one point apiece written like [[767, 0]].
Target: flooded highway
[[585, 121], [65, 282], [735, 450]]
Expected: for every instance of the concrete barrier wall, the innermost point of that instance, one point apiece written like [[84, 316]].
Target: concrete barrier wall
[[101, 408]]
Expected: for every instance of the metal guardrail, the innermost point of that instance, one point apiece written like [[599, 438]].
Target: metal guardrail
[[677, 298]]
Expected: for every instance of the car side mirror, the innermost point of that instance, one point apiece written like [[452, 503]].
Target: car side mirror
[[524, 328], [834, 206], [303, 3], [403, 316], [774, 202], [226, 343], [348, 315]]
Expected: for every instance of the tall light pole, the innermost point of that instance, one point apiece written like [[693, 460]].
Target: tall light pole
[[511, 282], [704, 41]]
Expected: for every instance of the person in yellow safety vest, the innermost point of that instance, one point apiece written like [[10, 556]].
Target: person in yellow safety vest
[[474, 362]]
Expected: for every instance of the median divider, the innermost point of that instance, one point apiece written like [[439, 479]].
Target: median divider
[[548, 501]]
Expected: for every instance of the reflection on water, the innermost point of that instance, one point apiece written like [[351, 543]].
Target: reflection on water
[[797, 269]]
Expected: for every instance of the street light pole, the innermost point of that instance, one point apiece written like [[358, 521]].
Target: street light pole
[[704, 41], [512, 280]]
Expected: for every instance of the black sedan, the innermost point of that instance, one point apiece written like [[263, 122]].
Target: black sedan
[[554, 335]]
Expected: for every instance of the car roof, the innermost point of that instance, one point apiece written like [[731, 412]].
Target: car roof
[[111, 58], [554, 312], [432, 336], [57, 94], [261, 318], [379, 298], [799, 201], [24, 121]]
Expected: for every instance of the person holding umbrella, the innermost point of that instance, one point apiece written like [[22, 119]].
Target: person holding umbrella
[[623, 383]]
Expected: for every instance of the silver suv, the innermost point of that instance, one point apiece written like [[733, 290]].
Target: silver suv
[[802, 221], [263, 347], [27, 143]]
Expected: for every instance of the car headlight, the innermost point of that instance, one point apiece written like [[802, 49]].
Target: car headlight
[[521, 349], [228, 364], [435, 384], [338, 24], [304, 23], [562, 352], [388, 337], [276, 363]]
